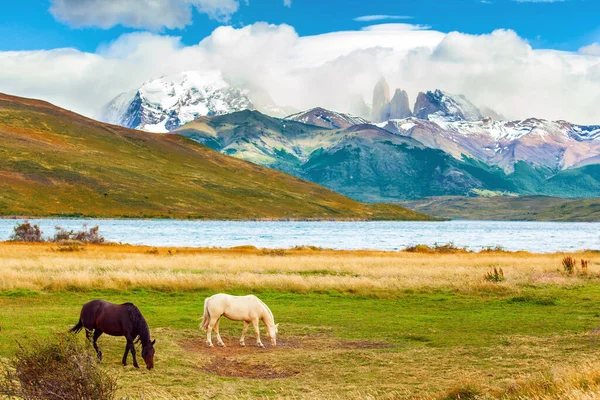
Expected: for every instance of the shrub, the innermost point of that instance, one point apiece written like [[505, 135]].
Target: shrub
[[584, 267], [90, 235], [62, 235], [568, 264], [86, 235], [69, 246], [448, 248], [274, 252], [495, 249], [26, 232], [59, 369], [496, 275]]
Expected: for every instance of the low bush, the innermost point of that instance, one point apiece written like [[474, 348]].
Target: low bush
[[496, 275], [59, 369], [568, 264], [584, 267], [87, 235], [26, 232], [274, 252], [448, 248]]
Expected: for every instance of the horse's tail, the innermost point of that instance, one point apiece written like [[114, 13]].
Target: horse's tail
[[77, 328], [206, 317]]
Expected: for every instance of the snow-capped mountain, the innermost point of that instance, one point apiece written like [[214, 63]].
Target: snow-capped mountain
[[327, 119], [164, 104], [449, 107], [556, 145]]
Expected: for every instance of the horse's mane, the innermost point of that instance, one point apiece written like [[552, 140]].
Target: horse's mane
[[140, 326], [268, 309]]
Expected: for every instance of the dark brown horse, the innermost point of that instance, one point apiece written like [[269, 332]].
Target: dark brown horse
[[117, 320]]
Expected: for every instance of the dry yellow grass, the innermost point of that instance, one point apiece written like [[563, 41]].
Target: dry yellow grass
[[43, 267], [422, 362]]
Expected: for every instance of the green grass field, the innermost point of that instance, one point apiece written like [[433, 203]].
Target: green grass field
[[411, 344]]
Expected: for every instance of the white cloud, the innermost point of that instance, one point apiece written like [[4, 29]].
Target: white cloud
[[287, 3], [591, 50], [154, 14], [499, 70], [370, 18]]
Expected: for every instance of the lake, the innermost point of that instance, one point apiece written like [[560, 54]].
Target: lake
[[381, 235]]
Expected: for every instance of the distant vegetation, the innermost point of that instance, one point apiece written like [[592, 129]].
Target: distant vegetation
[[57, 163], [499, 208], [28, 233]]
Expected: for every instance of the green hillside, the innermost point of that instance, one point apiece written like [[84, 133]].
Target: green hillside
[[57, 163], [527, 208]]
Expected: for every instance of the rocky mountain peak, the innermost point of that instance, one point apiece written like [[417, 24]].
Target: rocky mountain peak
[[319, 116], [399, 105], [381, 101], [164, 104], [448, 106]]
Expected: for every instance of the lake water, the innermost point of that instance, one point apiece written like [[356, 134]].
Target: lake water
[[530, 236]]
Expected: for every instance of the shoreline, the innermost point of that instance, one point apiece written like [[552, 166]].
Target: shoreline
[[417, 250]]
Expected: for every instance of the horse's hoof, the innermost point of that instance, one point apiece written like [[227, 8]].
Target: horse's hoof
[[262, 346], [137, 366], [222, 344], [243, 344], [210, 345]]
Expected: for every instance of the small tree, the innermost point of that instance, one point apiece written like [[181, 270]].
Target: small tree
[[60, 369], [26, 232]]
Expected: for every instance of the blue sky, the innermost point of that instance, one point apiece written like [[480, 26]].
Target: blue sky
[[562, 25], [522, 58]]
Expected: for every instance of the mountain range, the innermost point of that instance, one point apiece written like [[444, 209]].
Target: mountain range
[[57, 163], [443, 145]]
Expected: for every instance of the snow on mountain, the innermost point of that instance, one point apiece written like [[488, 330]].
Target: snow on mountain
[[327, 119], [551, 144], [164, 104], [444, 106]]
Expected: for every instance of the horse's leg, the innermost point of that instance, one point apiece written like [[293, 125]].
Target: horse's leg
[[257, 330], [246, 325], [88, 334], [126, 353], [211, 325], [219, 340], [97, 334], [132, 349]]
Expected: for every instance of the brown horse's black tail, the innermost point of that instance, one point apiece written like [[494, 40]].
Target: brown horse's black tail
[[77, 328]]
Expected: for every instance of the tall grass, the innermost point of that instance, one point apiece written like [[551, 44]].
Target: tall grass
[[41, 267]]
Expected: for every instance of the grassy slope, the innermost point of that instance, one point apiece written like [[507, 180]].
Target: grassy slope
[[425, 342], [528, 208], [54, 162]]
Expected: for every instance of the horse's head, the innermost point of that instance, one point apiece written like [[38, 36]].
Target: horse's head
[[272, 333], [148, 354]]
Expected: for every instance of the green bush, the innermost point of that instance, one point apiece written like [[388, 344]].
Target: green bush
[[59, 369]]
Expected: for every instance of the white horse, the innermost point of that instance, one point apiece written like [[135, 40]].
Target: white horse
[[249, 309]]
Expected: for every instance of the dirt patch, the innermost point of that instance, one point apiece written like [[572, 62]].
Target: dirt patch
[[240, 369], [313, 342]]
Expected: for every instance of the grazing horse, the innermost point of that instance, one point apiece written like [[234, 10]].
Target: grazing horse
[[249, 309], [117, 320]]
